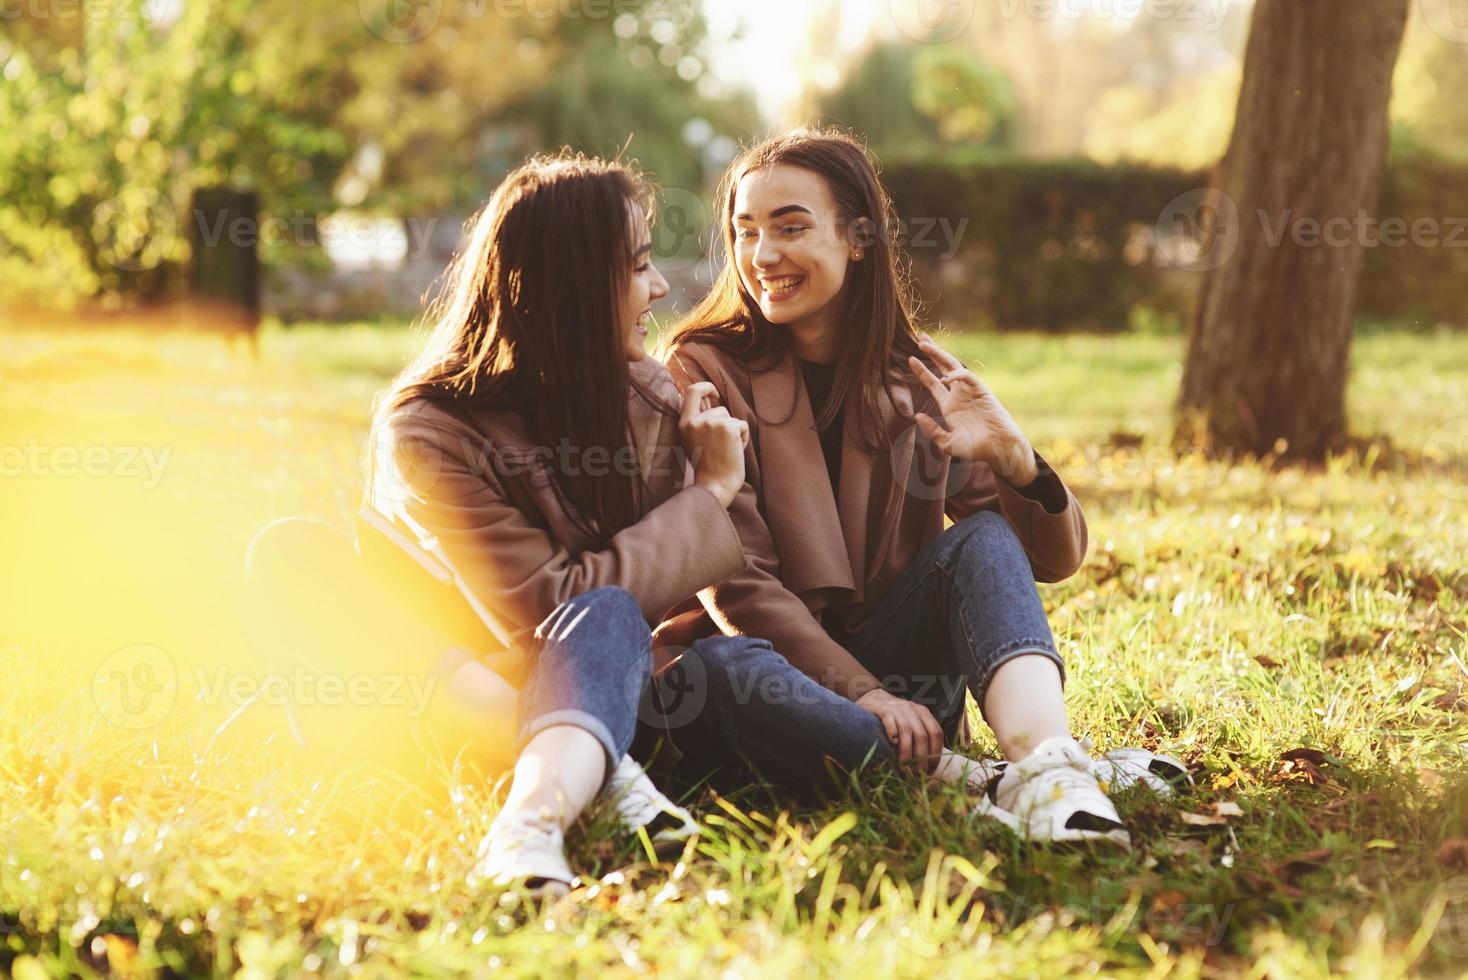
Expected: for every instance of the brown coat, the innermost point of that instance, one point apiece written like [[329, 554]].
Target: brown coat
[[473, 491], [810, 548]]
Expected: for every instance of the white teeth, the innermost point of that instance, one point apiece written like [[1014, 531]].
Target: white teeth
[[782, 285]]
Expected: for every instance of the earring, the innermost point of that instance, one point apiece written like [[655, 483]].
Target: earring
[[856, 254]]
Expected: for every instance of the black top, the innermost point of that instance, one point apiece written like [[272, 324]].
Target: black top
[[818, 381], [1047, 490]]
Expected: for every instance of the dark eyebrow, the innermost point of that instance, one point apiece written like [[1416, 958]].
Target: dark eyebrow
[[638, 254], [778, 212]]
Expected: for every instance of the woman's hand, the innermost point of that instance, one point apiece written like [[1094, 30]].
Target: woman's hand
[[714, 441], [979, 427], [910, 726]]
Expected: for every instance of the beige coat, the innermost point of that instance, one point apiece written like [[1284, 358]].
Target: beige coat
[[810, 547], [471, 490]]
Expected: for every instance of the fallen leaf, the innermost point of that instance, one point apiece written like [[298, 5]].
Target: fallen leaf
[[1168, 900], [1203, 819], [1292, 867], [1227, 808], [1453, 853]]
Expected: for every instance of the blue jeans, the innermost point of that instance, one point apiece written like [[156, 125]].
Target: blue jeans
[[964, 607], [591, 662]]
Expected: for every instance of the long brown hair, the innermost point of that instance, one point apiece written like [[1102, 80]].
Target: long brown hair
[[528, 321], [877, 310]]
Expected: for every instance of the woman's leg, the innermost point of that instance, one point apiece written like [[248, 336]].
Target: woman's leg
[[578, 708], [969, 606], [966, 614], [578, 712], [733, 701]]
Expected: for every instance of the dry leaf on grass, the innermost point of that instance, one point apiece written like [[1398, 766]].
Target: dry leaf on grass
[[1454, 854], [1222, 810]]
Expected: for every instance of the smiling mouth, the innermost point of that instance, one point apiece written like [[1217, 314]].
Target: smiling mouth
[[779, 287], [641, 325]]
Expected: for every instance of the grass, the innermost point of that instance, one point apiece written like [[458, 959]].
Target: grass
[[1297, 637]]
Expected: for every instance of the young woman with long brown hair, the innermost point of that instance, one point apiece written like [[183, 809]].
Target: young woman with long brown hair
[[535, 451], [532, 448], [864, 435]]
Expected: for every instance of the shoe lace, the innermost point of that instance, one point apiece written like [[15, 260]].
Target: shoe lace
[[530, 831]]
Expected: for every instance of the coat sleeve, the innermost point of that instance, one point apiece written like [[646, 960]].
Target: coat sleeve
[[754, 602], [1046, 516], [441, 483]]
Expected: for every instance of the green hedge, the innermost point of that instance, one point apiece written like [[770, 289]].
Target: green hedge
[[1072, 245]]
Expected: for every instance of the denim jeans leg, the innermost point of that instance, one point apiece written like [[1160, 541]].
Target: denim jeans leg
[[965, 606], [591, 660], [742, 702]]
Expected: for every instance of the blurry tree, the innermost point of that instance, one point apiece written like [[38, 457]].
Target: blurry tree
[[114, 113], [912, 99], [112, 117], [634, 85], [1269, 341], [1428, 118]]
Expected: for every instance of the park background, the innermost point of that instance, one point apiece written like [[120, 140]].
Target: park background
[[1287, 617]]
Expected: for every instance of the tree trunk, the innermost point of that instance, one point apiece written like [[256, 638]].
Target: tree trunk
[[1269, 341]]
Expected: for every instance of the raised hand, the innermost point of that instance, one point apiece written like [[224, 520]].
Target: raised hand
[[714, 441], [979, 428]]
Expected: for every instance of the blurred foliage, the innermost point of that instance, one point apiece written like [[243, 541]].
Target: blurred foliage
[[912, 99], [634, 90], [115, 113], [1040, 245], [1072, 245], [1429, 111], [1190, 129]]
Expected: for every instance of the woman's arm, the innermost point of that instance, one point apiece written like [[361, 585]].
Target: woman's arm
[[443, 485], [754, 602], [1055, 540], [1007, 475]]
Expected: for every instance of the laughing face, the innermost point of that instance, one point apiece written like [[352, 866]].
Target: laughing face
[[790, 246], [645, 286]]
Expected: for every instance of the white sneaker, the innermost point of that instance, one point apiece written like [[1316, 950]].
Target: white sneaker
[[1121, 769], [1053, 795], [1124, 768], [642, 804], [975, 775], [527, 849]]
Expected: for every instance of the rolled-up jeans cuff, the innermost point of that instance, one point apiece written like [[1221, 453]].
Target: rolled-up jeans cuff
[[1006, 653], [584, 720]]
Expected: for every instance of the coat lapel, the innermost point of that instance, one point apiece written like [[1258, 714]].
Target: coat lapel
[[807, 527], [655, 433], [873, 488]]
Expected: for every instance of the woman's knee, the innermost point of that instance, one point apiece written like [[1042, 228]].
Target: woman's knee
[[988, 538], [607, 610], [605, 626]]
